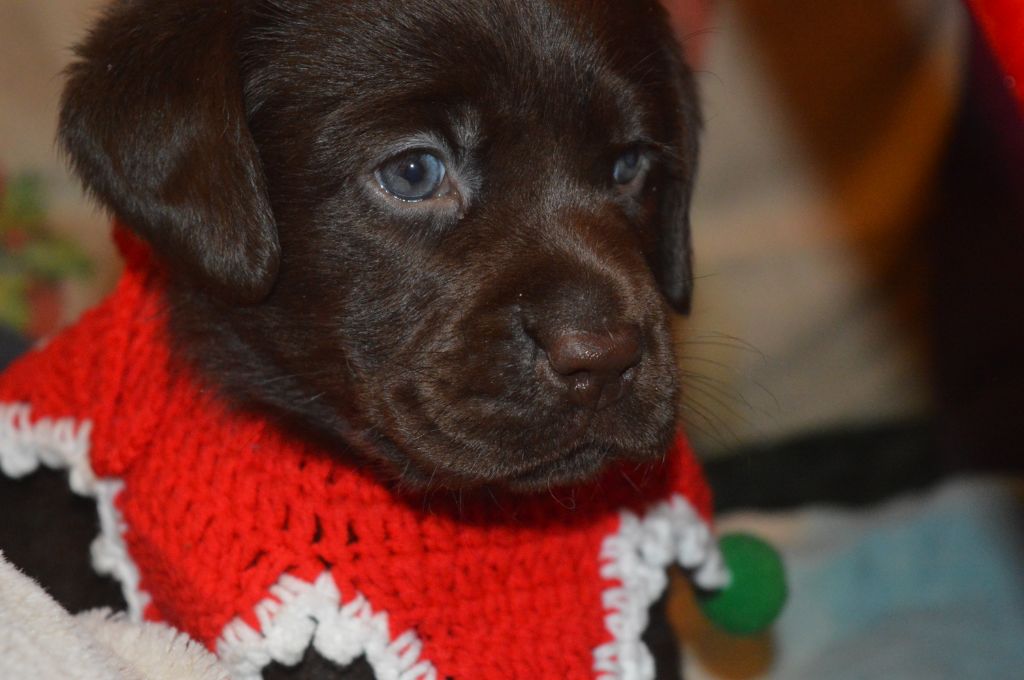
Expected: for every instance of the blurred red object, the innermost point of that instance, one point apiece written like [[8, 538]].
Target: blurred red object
[[690, 20], [1003, 24]]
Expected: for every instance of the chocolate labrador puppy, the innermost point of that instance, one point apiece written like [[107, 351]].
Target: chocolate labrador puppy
[[448, 234]]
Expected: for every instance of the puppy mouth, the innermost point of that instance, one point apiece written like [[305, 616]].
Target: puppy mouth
[[582, 463], [528, 426], [580, 454]]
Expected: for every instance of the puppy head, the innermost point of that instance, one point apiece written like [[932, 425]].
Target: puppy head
[[446, 233]]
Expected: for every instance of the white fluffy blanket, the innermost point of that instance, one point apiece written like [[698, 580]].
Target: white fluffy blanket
[[41, 641]]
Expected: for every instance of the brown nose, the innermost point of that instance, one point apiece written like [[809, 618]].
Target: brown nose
[[595, 367]]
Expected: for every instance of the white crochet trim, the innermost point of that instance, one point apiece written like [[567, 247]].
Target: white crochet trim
[[57, 444], [64, 444], [300, 614], [637, 556]]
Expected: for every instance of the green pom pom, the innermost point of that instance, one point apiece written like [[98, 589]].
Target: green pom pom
[[754, 597]]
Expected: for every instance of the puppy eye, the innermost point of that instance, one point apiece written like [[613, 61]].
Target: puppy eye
[[412, 176], [628, 167]]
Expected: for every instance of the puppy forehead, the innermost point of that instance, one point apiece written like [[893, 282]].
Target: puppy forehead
[[549, 57]]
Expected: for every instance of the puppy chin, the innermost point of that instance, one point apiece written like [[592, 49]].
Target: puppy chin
[[438, 462], [578, 467]]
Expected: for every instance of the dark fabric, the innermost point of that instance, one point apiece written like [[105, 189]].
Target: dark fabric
[[46, 532], [849, 467], [12, 344], [976, 246], [315, 667], [662, 641]]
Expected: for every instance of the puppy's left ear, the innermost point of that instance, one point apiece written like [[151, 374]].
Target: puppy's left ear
[[673, 266], [154, 123]]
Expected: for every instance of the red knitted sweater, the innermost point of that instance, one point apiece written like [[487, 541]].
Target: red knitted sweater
[[260, 545]]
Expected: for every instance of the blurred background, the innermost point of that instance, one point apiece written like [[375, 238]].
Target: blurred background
[[853, 363]]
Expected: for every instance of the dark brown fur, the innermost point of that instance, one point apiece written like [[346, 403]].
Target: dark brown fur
[[240, 138]]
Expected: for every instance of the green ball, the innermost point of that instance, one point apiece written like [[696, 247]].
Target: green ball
[[755, 595]]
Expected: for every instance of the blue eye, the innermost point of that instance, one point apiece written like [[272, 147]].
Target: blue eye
[[628, 167], [412, 176]]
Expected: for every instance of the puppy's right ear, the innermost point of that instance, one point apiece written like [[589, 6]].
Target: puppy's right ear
[[154, 123]]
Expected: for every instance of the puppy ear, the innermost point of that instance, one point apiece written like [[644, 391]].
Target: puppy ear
[[154, 123], [674, 260]]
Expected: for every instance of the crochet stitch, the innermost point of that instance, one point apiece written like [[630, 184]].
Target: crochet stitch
[[260, 544]]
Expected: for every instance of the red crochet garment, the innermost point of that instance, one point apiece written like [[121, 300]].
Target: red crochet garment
[[260, 545]]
